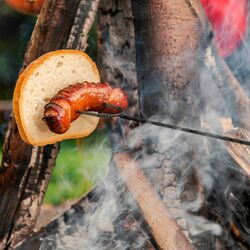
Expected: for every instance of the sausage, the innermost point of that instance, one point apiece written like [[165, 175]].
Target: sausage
[[62, 108]]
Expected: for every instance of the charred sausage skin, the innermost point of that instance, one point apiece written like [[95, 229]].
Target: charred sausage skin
[[62, 108]]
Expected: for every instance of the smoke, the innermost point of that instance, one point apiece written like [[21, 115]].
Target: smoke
[[189, 172], [198, 224], [228, 178], [170, 164], [106, 222]]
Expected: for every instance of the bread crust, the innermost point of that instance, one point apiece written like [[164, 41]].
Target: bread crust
[[21, 82], [15, 104]]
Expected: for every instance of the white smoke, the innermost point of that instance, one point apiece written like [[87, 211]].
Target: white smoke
[[169, 148]]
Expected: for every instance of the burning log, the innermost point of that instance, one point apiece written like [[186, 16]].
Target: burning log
[[165, 230]]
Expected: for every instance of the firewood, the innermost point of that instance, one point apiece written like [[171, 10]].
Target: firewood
[[229, 86], [226, 80], [240, 153], [164, 228]]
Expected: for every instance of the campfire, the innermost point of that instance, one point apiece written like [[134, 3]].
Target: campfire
[[179, 172]]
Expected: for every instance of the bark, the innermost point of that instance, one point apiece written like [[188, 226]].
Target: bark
[[26, 170], [117, 65], [171, 53], [116, 59], [168, 57]]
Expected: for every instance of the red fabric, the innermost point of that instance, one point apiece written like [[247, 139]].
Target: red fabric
[[229, 22]]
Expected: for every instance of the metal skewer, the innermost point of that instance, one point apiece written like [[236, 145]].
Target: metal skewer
[[166, 125]]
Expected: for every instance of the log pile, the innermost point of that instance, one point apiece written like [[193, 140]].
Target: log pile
[[162, 203]]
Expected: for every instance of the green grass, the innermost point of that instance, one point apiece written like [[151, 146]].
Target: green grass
[[79, 166]]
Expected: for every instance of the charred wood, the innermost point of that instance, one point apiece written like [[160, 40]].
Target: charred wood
[[26, 170]]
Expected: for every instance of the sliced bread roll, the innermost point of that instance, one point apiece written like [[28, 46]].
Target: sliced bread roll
[[39, 82]]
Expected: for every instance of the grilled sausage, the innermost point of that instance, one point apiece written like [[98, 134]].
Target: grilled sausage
[[62, 108]]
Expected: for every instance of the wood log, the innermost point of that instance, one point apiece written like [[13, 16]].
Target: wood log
[[168, 51], [116, 59], [240, 153], [117, 65], [229, 87], [26, 170], [234, 94], [164, 228]]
